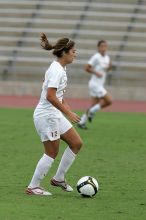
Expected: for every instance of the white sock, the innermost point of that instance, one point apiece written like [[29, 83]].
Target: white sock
[[41, 170], [65, 163], [95, 108], [83, 119]]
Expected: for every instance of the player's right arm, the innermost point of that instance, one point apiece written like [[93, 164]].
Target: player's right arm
[[92, 63], [90, 69], [52, 98]]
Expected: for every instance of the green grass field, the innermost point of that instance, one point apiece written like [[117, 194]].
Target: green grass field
[[114, 153]]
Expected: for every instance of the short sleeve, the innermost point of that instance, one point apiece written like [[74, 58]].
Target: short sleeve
[[54, 78], [93, 60]]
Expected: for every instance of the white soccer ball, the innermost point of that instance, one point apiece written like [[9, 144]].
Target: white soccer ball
[[87, 186]]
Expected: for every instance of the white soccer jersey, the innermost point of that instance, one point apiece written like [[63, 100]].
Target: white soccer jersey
[[100, 64], [55, 77]]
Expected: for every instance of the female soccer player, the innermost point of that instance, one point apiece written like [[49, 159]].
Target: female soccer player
[[97, 66], [50, 121]]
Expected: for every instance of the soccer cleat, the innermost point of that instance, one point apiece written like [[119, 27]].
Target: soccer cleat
[[37, 191], [82, 126], [63, 184]]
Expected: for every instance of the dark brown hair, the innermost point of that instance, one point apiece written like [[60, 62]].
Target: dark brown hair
[[62, 45], [100, 42]]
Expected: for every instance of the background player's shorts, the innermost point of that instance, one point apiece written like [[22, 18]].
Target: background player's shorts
[[97, 91], [51, 128]]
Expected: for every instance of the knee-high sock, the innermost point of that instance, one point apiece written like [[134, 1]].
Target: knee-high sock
[[95, 108], [83, 119], [65, 163], [41, 170]]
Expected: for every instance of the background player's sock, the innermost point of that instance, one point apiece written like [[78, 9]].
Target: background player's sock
[[83, 119], [95, 108]]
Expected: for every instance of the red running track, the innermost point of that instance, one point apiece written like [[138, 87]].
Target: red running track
[[78, 104]]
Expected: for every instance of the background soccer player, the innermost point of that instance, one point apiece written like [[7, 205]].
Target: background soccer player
[[50, 122], [97, 66]]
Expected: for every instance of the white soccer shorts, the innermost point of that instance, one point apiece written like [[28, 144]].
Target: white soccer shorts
[[97, 91], [51, 129]]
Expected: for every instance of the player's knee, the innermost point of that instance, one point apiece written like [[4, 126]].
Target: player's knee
[[77, 145], [80, 144], [110, 101]]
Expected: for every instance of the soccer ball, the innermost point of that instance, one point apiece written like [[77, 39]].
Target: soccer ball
[[87, 186]]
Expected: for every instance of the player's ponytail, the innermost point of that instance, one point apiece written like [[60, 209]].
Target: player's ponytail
[[45, 43], [62, 45]]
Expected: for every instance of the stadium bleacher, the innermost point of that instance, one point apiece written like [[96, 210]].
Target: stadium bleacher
[[121, 23]]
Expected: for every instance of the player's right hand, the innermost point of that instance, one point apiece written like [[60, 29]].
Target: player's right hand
[[73, 117]]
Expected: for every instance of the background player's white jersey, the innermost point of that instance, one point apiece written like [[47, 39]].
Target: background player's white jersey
[[55, 77], [100, 64]]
